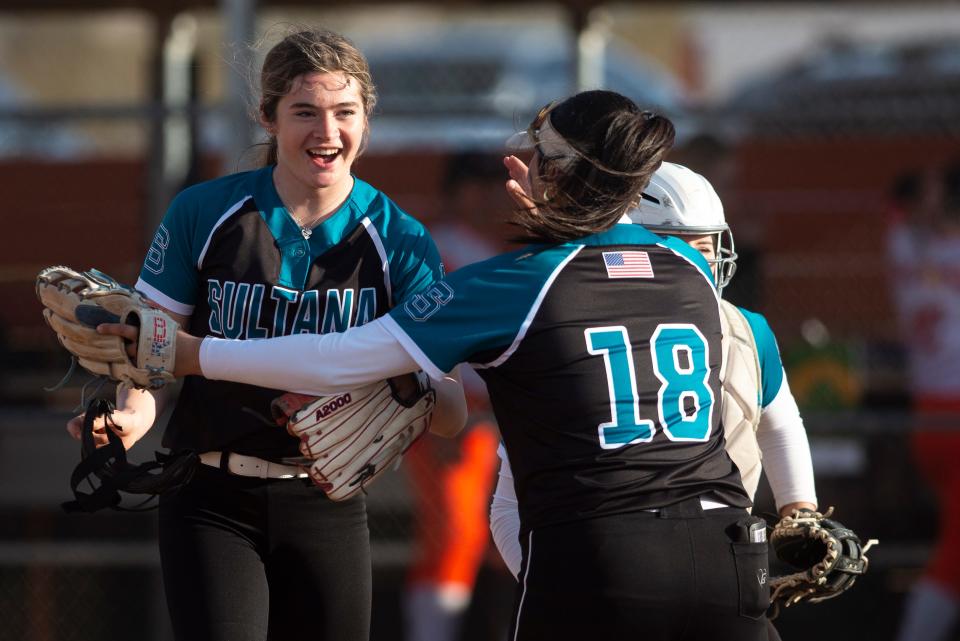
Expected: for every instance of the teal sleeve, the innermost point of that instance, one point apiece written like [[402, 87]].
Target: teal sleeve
[[771, 367], [414, 265], [477, 314], [171, 262]]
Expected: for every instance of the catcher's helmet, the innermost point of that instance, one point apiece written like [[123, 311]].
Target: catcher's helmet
[[681, 201]]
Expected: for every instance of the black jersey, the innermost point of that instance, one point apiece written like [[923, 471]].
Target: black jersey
[[602, 359], [230, 256]]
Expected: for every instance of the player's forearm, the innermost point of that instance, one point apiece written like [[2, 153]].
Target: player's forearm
[[786, 452], [188, 355], [137, 411], [450, 413], [149, 404], [317, 364]]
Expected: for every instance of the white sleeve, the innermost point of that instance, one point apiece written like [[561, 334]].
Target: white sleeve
[[317, 364], [505, 517], [786, 451]]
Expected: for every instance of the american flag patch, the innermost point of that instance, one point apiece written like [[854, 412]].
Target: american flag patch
[[627, 265]]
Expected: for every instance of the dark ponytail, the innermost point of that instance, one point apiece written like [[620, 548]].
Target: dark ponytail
[[616, 149]]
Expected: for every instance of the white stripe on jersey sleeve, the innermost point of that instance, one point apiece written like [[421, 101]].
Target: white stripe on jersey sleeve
[[230, 212], [786, 450], [530, 314], [160, 298], [411, 348], [378, 243], [318, 364]]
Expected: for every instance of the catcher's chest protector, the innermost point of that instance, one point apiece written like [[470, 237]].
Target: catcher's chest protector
[[740, 394]]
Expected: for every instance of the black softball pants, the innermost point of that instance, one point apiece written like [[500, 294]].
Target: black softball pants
[[682, 574], [247, 559]]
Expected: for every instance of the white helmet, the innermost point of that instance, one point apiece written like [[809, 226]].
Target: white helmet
[[682, 202]]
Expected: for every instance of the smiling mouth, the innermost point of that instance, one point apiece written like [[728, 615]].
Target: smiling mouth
[[324, 156]]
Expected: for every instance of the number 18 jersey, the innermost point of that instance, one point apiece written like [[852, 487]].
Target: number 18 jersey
[[602, 358]]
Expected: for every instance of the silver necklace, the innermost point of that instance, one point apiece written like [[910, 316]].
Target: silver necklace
[[305, 231]]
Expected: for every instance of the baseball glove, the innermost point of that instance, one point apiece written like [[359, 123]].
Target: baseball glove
[[827, 555], [76, 302], [350, 439]]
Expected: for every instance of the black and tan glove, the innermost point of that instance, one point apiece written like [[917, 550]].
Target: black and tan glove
[[828, 558]]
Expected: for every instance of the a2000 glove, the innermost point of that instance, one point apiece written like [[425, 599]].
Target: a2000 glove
[[352, 438], [828, 556], [76, 302]]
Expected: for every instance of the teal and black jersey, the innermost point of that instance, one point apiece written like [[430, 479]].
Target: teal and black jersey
[[602, 359], [230, 256]]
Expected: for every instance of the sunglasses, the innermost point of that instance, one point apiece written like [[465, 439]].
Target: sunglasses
[[537, 124], [566, 149]]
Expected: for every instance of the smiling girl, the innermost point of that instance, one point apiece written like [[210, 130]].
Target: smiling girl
[[298, 246]]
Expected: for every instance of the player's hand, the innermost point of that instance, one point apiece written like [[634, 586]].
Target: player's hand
[[127, 424], [128, 332], [518, 187], [188, 347]]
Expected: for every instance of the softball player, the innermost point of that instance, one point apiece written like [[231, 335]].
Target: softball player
[[600, 345], [924, 251], [759, 414], [300, 246]]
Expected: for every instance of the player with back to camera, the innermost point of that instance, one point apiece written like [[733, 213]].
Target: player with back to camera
[[760, 415], [250, 549], [600, 344]]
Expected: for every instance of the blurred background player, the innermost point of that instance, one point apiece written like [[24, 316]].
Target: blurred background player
[[924, 249], [452, 479], [760, 416]]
